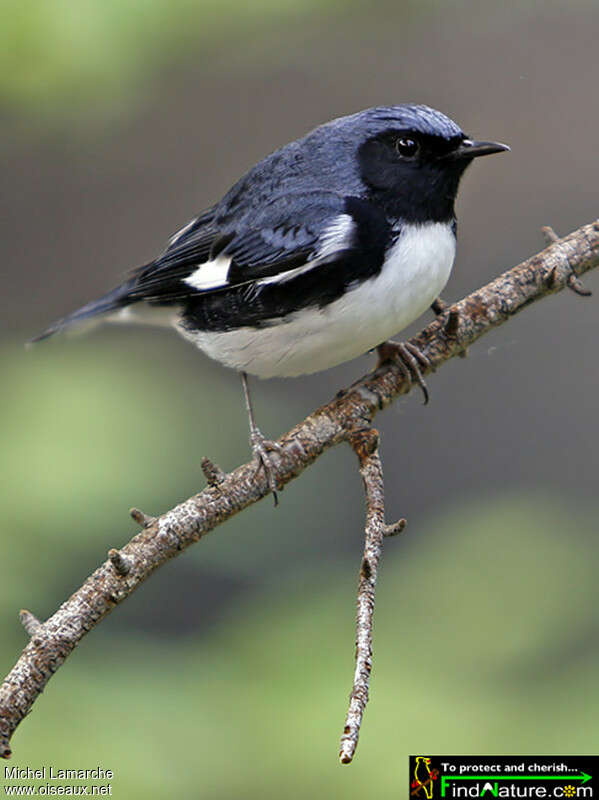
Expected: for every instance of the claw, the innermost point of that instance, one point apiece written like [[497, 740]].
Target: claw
[[577, 285], [410, 360], [260, 449]]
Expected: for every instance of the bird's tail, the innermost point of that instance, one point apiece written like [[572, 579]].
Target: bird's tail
[[113, 301]]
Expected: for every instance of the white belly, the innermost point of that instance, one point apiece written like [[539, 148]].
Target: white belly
[[416, 269]]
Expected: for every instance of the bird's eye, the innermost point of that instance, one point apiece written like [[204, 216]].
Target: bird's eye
[[407, 147]]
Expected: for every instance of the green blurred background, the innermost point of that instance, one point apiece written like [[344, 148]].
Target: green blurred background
[[226, 676]]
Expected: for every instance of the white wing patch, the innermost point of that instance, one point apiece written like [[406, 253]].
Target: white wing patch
[[210, 274], [336, 237], [213, 274]]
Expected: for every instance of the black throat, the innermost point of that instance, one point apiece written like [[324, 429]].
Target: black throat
[[417, 191], [422, 198]]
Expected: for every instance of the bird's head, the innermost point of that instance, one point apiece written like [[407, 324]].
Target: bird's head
[[411, 158]]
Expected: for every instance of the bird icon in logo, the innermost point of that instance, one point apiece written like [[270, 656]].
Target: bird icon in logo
[[423, 778]]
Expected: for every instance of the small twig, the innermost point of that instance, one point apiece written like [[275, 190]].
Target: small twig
[[452, 323], [29, 621], [365, 445], [144, 520], [122, 565], [395, 528], [438, 306], [212, 472], [549, 234]]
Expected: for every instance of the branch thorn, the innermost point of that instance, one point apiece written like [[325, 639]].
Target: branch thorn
[[122, 564], [395, 527], [29, 621], [142, 519], [549, 234], [452, 323], [438, 306], [212, 472]]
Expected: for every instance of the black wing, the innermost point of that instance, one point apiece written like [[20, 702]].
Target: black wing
[[311, 237], [209, 255]]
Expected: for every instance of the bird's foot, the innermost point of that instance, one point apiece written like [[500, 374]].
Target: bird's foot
[[410, 359], [261, 447]]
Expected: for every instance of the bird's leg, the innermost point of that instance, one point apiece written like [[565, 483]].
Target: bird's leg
[[259, 443], [410, 360]]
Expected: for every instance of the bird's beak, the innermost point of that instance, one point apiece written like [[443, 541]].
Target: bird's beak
[[471, 149]]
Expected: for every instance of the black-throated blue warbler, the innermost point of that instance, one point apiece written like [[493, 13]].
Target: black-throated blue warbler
[[321, 252]]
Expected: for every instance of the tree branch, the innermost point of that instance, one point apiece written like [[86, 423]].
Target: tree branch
[[365, 444], [162, 538]]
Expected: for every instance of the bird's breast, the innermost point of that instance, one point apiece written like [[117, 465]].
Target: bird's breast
[[416, 267]]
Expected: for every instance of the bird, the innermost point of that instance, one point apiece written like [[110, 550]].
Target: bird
[[321, 252]]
